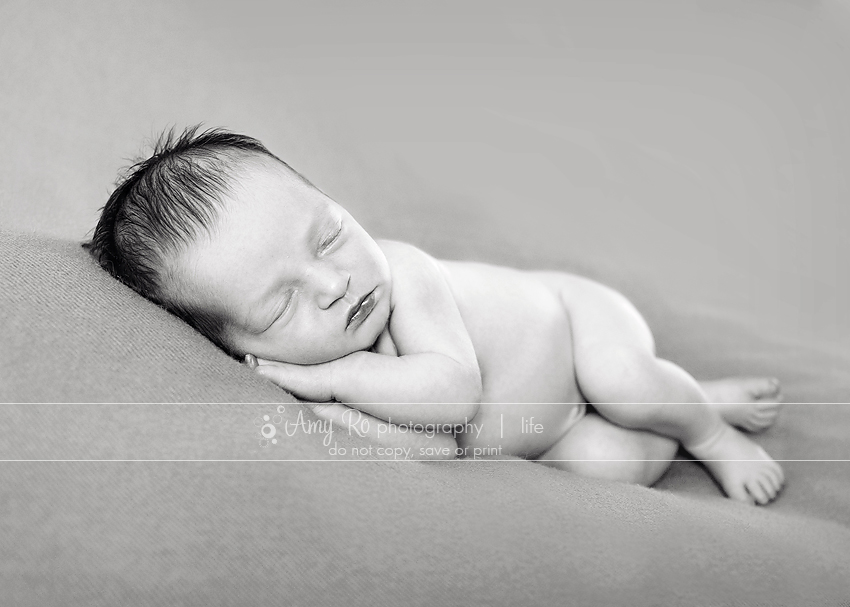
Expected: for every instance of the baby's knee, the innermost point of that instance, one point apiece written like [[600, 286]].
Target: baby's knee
[[613, 453], [614, 373], [607, 466]]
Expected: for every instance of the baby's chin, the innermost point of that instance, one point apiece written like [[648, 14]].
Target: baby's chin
[[366, 340]]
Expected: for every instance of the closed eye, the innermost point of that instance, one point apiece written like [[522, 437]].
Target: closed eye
[[283, 308], [330, 238]]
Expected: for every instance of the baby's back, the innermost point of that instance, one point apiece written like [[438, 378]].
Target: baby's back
[[521, 333]]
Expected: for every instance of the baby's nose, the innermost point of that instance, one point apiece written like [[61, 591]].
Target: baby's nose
[[332, 287]]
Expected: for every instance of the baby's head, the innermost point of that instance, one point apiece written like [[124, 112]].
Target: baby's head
[[227, 236]]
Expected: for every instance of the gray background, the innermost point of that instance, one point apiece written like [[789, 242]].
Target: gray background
[[692, 154], [700, 147]]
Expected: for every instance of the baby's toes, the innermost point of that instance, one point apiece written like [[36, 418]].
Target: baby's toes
[[755, 423], [773, 478], [739, 493], [776, 387], [770, 490], [763, 415], [767, 418], [756, 488], [778, 474], [768, 406], [763, 387], [775, 483]]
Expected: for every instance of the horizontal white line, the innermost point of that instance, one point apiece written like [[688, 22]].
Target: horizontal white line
[[486, 403], [467, 459]]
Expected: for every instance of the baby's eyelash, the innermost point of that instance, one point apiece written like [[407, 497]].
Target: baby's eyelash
[[329, 240], [288, 304]]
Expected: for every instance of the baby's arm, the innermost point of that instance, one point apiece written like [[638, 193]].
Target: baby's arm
[[436, 366]]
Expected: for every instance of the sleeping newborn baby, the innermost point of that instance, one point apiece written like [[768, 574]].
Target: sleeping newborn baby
[[544, 365]]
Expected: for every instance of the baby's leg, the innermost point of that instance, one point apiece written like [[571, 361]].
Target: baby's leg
[[618, 372], [597, 448]]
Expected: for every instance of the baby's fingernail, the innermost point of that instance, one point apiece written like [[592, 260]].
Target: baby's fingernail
[[251, 361]]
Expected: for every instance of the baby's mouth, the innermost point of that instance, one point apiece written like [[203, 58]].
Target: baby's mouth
[[361, 310]]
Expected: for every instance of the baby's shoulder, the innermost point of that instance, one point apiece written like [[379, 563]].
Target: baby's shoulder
[[406, 259], [417, 277], [402, 252]]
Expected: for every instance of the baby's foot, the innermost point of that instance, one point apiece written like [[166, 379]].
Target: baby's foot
[[750, 403], [745, 472]]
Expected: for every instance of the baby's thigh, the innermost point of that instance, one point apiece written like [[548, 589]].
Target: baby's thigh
[[599, 315], [597, 448]]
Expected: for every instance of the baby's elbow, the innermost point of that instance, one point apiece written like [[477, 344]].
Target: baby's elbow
[[477, 386], [471, 410], [477, 393], [469, 400], [462, 412]]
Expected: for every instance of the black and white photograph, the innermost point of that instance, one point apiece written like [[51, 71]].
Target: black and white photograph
[[481, 302]]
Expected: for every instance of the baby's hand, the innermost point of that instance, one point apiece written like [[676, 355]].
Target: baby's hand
[[307, 382]]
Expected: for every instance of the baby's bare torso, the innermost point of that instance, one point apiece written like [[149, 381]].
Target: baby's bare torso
[[520, 330]]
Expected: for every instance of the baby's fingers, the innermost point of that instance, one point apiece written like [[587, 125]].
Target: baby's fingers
[[308, 382]]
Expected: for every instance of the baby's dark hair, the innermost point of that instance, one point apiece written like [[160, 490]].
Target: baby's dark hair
[[162, 204]]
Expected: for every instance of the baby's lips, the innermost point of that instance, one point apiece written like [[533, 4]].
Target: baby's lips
[[251, 361]]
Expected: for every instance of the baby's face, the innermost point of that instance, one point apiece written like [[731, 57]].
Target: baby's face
[[295, 276]]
